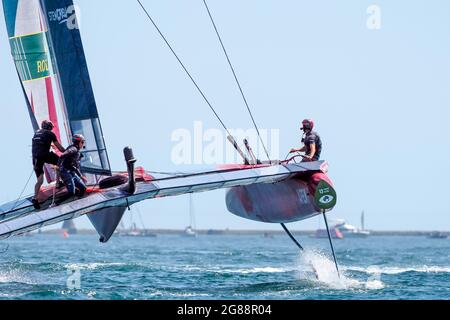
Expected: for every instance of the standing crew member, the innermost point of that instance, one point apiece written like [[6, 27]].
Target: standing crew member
[[312, 142], [41, 145], [69, 165]]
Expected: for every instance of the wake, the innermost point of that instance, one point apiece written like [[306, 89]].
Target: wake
[[316, 267]]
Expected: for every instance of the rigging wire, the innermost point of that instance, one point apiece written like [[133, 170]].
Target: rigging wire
[[235, 77], [23, 190], [184, 68]]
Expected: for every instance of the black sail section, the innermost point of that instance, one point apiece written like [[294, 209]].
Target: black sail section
[[75, 84]]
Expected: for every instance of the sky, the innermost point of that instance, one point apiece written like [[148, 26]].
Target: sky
[[378, 91]]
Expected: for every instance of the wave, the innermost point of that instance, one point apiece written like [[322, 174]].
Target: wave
[[177, 295], [256, 270], [228, 269], [93, 265], [15, 276], [400, 270], [316, 267]]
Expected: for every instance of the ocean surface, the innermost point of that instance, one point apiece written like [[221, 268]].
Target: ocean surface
[[223, 267]]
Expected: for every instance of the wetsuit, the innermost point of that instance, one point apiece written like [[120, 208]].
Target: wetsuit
[[313, 138], [41, 145], [69, 164]]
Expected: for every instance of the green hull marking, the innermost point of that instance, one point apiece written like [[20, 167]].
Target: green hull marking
[[325, 196]]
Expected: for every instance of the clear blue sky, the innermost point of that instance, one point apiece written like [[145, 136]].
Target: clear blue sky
[[380, 98]]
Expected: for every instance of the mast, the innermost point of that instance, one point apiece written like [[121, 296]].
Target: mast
[[362, 220], [191, 213]]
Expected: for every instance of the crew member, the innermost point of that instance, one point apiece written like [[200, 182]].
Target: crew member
[[41, 144], [312, 142]]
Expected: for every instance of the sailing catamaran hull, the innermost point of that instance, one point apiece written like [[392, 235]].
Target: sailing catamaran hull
[[28, 219], [283, 202]]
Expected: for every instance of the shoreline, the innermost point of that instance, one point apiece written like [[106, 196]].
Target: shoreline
[[258, 232]]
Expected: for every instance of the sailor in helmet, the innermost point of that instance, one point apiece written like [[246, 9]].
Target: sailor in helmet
[[41, 144], [312, 142], [69, 165]]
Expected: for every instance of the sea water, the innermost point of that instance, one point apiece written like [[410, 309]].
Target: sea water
[[223, 267]]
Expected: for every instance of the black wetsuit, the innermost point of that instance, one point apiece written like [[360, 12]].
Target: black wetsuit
[[69, 164], [70, 160], [41, 145], [313, 138]]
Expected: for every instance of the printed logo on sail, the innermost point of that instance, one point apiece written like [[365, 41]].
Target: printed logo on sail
[[42, 66], [66, 15]]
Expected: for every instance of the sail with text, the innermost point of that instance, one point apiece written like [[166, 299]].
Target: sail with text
[[27, 33], [74, 83]]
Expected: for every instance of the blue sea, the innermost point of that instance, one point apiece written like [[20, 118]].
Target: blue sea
[[223, 267]]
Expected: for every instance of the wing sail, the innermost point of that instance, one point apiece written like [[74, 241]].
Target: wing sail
[[27, 34], [75, 84]]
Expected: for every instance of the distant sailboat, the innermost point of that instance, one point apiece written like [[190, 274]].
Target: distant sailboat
[[69, 227], [133, 230], [190, 230], [335, 233], [437, 235], [351, 231]]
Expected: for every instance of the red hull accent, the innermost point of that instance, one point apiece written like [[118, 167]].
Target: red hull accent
[[52, 109], [46, 193]]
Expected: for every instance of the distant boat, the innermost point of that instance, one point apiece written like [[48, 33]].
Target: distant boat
[[69, 227], [189, 231], [268, 235], [133, 230], [350, 231], [334, 232], [437, 235], [322, 233], [139, 233]]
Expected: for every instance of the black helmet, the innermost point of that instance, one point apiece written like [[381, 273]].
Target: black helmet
[[307, 124], [47, 125], [77, 138]]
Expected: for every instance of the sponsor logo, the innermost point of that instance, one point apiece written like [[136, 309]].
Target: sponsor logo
[[302, 196], [42, 66], [325, 196], [65, 15], [324, 190], [326, 199], [58, 15]]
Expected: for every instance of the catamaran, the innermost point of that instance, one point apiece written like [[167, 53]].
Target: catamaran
[[48, 54], [190, 230]]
